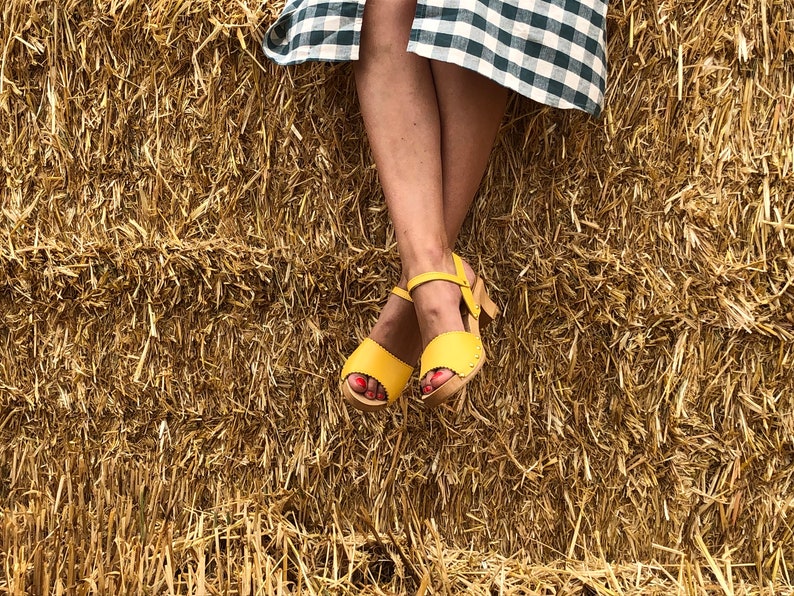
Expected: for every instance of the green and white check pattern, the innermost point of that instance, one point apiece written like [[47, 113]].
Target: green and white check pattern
[[552, 51]]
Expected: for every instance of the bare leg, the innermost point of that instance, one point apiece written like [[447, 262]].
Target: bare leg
[[401, 116], [422, 131], [471, 108]]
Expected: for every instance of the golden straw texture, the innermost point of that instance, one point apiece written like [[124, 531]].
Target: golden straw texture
[[192, 239]]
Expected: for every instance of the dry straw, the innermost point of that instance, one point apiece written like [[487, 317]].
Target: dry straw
[[191, 240]]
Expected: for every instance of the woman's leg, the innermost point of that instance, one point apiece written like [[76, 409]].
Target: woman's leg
[[419, 139], [400, 113], [471, 108]]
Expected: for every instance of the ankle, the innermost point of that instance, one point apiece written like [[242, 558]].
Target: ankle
[[436, 259]]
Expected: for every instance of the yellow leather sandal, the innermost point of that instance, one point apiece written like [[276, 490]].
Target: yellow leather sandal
[[370, 359], [459, 351]]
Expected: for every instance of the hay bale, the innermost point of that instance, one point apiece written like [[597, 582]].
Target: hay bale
[[193, 239]]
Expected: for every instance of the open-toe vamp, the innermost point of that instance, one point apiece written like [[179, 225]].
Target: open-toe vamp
[[370, 359]]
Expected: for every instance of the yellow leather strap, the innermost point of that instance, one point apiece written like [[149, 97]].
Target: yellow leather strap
[[458, 351], [373, 360], [459, 278], [401, 293], [423, 278]]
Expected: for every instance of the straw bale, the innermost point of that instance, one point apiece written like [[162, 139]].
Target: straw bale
[[193, 239]]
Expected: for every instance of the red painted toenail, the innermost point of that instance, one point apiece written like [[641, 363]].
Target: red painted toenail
[[428, 388], [370, 394], [381, 396], [360, 382], [438, 374]]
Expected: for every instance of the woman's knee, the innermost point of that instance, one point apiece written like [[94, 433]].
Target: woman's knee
[[388, 21]]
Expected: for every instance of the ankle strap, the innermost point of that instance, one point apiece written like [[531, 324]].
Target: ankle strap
[[401, 293], [423, 278], [459, 279]]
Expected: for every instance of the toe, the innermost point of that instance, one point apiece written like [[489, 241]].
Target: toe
[[380, 395], [372, 388], [434, 379], [357, 383]]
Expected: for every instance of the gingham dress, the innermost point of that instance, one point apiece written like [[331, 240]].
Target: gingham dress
[[552, 51]]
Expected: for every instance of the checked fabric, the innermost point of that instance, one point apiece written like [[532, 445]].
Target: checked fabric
[[552, 51]]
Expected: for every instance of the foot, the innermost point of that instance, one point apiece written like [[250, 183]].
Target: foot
[[396, 330], [437, 305]]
